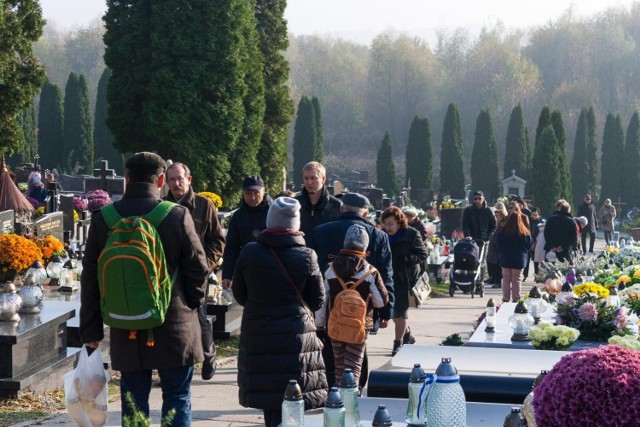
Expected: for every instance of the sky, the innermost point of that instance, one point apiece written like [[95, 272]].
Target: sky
[[361, 20]]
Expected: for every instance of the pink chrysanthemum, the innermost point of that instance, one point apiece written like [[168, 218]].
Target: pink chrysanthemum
[[595, 387], [588, 312]]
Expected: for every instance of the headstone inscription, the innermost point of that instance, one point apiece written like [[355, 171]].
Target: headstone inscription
[[7, 222], [50, 223]]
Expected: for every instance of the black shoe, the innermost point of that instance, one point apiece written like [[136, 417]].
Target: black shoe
[[208, 369], [396, 347], [497, 286], [489, 282], [408, 338]]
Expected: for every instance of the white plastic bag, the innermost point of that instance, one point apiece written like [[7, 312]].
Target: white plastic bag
[[85, 390]]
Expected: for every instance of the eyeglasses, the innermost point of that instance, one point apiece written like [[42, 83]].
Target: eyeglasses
[[477, 198]]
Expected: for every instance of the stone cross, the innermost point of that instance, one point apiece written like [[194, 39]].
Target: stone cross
[[618, 206], [103, 173]]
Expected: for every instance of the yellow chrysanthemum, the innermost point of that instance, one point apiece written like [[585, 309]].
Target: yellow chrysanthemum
[[217, 200], [623, 279], [591, 288]]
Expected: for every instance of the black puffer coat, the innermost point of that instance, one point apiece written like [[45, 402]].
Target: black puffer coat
[[278, 340], [407, 254]]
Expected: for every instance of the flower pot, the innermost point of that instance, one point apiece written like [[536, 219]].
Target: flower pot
[[635, 233]]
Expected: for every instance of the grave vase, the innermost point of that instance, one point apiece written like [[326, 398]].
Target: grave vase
[[31, 295], [10, 303]]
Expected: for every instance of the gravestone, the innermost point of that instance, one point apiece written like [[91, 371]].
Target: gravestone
[[115, 187], [423, 196], [92, 183], [72, 183], [103, 173], [66, 206], [50, 223], [373, 194], [450, 220], [22, 172], [7, 222]]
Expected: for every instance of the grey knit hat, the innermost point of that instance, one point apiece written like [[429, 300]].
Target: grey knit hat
[[284, 212], [356, 238]]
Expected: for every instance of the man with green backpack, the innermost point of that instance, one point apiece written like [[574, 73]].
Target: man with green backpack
[[144, 276]]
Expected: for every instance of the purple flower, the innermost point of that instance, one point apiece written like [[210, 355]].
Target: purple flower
[[96, 204], [79, 204], [96, 194], [598, 386], [588, 312], [34, 202]]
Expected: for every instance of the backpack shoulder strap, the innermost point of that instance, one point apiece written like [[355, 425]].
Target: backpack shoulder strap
[[159, 213], [110, 215], [364, 277]]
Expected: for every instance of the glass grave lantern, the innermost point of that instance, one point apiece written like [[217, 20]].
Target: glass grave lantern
[[535, 304], [38, 273], [490, 316], [54, 270], [520, 321], [614, 299], [67, 279]]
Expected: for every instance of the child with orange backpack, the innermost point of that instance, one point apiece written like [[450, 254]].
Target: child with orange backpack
[[353, 289]]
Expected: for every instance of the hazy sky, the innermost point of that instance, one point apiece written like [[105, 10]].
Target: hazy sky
[[360, 20]]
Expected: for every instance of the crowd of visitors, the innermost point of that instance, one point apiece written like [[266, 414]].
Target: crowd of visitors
[[287, 262]]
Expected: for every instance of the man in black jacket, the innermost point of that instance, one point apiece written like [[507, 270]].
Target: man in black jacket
[[588, 210], [318, 206], [478, 221], [205, 219], [560, 232], [327, 240]]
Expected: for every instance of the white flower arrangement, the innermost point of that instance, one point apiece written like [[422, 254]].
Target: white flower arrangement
[[628, 341], [547, 336]]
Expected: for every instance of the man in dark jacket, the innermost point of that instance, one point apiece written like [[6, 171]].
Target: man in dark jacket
[[478, 222], [588, 210], [178, 344], [327, 240], [318, 206], [205, 219], [245, 225], [560, 232]]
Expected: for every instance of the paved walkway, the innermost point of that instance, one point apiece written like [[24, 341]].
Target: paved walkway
[[215, 402]]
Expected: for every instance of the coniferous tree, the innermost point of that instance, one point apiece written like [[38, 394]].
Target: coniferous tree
[[385, 167], [318, 152], [563, 163], [592, 154], [528, 156], [50, 135], [198, 107], [631, 190], [419, 156], [102, 136], [546, 180], [544, 120], [484, 158], [304, 139], [515, 156], [27, 151], [613, 177], [272, 30], [451, 155], [579, 165], [21, 76], [77, 128]]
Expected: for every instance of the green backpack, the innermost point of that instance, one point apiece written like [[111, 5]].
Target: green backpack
[[135, 287]]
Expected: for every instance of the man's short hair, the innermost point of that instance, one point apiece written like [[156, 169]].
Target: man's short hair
[[315, 166], [563, 206], [478, 193], [187, 172], [145, 167]]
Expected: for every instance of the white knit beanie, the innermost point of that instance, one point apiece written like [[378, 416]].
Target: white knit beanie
[[284, 212]]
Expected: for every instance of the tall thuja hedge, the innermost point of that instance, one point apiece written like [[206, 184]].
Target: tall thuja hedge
[[484, 158], [563, 163], [419, 156], [451, 155], [592, 153], [318, 152], [386, 168], [544, 120], [613, 178], [272, 31], [631, 190], [77, 127], [304, 139], [28, 150], [102, 136], [516, 156], [579, 164], [546, 179], [50, 135]]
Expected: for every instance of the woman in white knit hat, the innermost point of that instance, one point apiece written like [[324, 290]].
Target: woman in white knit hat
[[278, 282]]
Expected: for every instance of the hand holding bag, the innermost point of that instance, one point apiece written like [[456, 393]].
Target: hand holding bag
[[85, 390], [419, 292]]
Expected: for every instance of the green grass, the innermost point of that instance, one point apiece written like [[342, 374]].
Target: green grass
[[439, 290]]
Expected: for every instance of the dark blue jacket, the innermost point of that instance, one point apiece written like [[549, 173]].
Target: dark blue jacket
[[327, 240], [478, 223], [513, 249]]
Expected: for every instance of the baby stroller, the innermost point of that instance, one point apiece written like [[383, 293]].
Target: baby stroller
[[468, 264]]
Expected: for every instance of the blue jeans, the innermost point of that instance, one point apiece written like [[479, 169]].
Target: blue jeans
[[176, 393]]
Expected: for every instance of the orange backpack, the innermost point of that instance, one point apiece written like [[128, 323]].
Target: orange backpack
[[347, 316]]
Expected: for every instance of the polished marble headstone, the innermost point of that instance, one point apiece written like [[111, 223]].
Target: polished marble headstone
[[7, 221], [52, 224]]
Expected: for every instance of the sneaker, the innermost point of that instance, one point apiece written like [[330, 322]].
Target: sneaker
[[208, 369], [497, 286], [408, 338], [396, 347]]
